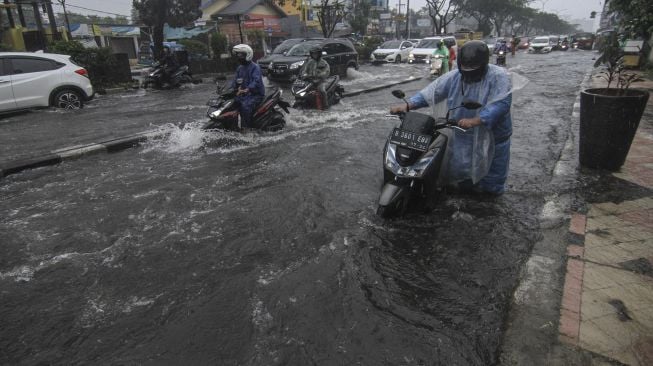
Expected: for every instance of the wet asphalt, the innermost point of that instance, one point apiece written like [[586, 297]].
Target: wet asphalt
[[218, 248]]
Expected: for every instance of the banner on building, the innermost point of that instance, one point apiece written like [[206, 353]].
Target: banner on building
[[254, 24]]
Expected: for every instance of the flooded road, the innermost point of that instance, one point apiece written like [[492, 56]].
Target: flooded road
[[210, 248]]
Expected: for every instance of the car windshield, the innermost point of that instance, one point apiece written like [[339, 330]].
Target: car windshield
[[391, 44], [429, 43], [541, 40], [302, 49], [284, 46]]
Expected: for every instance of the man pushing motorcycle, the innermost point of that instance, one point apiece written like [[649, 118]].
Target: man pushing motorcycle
[[489, 85]]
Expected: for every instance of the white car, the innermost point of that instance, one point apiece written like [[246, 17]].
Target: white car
[[31, 80], [392, 51], [424, 49], [540, 45]]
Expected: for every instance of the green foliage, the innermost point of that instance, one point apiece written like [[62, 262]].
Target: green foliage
[[360, 18], [195, 47], [219, 44], [99, 62], [612, 61], [368, 46], [156, 13], [635, 16]]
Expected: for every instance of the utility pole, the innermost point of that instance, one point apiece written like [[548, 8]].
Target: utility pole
[[65, 14], [398, 19], [407, 19]]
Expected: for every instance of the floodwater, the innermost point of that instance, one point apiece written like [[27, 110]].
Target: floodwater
[[226, 249]]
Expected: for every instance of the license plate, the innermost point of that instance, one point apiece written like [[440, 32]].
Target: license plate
[[410, 140], [276, 71]]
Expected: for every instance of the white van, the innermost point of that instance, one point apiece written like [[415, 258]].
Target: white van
[[424, 49]]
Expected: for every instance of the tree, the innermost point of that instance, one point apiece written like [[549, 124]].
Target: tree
[[360, 16], [330, 13], [636, 16], [443, 12], [156, 13]]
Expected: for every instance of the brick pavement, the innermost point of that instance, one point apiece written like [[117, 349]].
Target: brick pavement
[[607, 303]]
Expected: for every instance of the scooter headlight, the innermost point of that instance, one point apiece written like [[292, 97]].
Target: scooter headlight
[[414, 171], [216, 113]]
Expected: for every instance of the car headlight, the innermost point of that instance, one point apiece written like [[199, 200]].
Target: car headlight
[[296, 65]]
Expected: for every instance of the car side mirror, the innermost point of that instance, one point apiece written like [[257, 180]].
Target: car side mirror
[[399, 94]]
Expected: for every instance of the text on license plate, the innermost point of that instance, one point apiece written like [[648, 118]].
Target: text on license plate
[[409, 139]]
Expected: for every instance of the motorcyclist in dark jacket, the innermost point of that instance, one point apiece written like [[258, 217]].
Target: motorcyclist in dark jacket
[[248, 84], [317, 70], [169, 63]]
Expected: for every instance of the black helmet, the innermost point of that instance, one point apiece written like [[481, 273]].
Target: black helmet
[[473, 60], [315, 52]]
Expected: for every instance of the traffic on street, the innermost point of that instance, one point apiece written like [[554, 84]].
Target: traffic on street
[[267, 247]]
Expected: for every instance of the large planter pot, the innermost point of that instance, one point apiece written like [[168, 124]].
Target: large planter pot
[[608, 123]]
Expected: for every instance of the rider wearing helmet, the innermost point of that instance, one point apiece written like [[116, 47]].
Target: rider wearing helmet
[[248, 84], [489, 85], [169, 63], [501, 45], [317, 69], [444, 52]]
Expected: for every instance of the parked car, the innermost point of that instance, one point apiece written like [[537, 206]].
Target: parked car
[[424, 49], [540, 45], [31, 80], [392, 51], [280, 50], [338, 52], [414, 41]]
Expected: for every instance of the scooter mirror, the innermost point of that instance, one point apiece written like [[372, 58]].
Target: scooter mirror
[[398, 94], [470, 104]]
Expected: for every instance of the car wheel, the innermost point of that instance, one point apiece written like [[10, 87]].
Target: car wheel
[[68, 99]]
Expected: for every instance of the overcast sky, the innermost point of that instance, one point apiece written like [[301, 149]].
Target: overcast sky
[[575, 9]]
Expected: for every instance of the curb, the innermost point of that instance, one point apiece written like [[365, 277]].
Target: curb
[[121, 143], [380, 87], [69, 153]]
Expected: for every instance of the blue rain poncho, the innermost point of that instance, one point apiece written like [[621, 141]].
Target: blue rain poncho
[[480, 154]]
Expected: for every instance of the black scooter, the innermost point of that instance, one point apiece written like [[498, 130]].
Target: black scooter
[[156, 77], [414, 164], [306, 93], [223, 112]]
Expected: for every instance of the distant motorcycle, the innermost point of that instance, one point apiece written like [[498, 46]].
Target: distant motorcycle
[[501, 58], [306, 93], [436, 65], [156, 77], [223, 112]]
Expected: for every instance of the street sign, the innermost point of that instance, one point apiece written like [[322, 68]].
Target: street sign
[[385, 16], [423, 22]]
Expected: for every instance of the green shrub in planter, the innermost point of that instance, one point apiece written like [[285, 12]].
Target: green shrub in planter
[[100, 62], [609, 116]]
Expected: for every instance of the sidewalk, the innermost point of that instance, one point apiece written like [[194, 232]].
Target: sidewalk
[[607, 301]]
